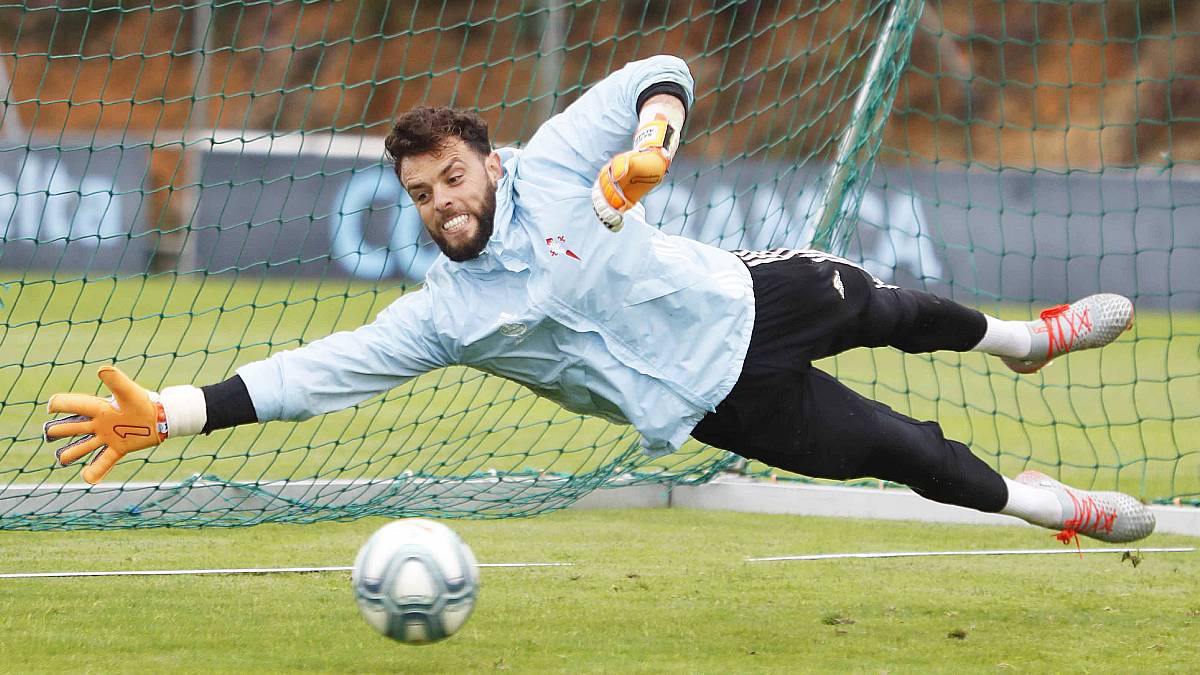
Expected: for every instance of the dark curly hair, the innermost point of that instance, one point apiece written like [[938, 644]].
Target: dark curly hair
[[424, 129]]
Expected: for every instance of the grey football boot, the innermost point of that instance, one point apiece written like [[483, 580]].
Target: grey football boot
[[1108, 516], [1088, 323]]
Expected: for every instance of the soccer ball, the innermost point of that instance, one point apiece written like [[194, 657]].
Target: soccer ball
[[415, 581]]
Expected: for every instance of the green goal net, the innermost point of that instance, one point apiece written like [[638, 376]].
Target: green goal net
[[188, 186]]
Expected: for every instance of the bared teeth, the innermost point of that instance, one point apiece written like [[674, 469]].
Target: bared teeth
[[454, 223]]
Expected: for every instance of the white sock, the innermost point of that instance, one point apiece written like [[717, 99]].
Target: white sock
[[1032, 504], [1005, 338]]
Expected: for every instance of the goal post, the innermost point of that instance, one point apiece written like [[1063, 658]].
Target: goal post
[[859, 142]]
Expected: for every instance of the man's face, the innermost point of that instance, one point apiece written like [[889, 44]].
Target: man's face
[[455, 193]]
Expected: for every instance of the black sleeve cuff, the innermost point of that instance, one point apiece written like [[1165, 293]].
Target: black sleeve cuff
[[228, 405], [657, 88]]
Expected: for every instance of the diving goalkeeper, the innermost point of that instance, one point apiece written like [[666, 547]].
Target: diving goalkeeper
[[618, 320]]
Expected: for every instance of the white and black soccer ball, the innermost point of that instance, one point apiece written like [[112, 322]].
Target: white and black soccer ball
[[415, 581]]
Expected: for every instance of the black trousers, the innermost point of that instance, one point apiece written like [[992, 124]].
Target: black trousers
[[790, 415]]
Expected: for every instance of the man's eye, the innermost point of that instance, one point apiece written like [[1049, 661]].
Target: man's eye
[[455, 180], [422, 197]]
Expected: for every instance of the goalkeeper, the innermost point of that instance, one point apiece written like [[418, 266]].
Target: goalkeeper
[[618, 320]]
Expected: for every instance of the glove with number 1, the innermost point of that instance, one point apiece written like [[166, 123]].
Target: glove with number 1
[[626, 178], [132, 419]]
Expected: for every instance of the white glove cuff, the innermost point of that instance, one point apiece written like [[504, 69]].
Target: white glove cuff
[[185, 409], [673, 113]]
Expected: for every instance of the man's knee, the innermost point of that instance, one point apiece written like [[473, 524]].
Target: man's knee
[[919, 322]]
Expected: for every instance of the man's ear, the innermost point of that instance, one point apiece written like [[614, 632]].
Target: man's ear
[[494, 168]]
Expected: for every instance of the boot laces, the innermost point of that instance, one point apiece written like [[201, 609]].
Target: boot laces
[[1090, 517], [1064, 327]]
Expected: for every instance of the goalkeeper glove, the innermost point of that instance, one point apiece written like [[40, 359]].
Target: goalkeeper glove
[[132, 419], [626, 178]]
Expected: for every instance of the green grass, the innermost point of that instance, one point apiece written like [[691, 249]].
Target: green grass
[[1127, 416], [650, 591]]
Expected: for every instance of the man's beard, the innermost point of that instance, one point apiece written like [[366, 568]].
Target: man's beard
[[471, 248]]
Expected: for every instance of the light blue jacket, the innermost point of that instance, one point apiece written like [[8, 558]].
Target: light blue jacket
[[636, 327]]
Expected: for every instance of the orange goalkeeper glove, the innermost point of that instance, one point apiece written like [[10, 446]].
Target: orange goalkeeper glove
[[132, 419], [626, 178]]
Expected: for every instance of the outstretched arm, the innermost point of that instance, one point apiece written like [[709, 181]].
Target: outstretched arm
[[574, 145], [335, 372]]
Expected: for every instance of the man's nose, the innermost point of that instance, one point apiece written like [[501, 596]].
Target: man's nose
[[442, 201]]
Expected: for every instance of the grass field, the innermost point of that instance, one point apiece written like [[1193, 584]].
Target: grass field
[[649, 591], [1126, 416]]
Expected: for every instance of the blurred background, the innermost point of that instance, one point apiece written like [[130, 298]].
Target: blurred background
[[998, 84]]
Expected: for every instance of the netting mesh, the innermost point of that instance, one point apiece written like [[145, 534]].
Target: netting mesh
[[189, 186]]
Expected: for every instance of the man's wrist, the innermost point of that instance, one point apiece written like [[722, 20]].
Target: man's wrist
[[657, 89], [660, 120], [185, 410]]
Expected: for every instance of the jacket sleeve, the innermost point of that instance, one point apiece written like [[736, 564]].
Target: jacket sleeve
[[574, 144], [349, 367]]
